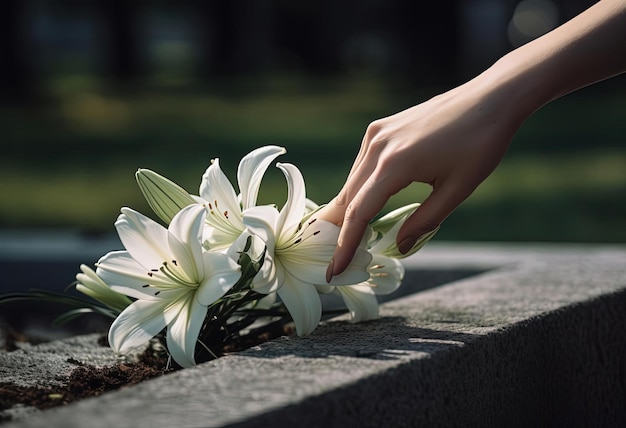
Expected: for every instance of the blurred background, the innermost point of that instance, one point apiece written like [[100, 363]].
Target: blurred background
[[91, 90]]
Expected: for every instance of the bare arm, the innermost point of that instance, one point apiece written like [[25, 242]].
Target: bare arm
[[455, 140]]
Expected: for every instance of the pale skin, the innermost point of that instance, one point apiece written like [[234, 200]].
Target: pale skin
[[455, 140]]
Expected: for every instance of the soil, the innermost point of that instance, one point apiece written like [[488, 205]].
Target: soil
[[84, 381], [89, 381]]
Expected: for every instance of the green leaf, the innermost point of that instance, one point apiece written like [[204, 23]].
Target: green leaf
[[81, 304], [75, 313]]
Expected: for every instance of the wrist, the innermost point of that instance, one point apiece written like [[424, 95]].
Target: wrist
[[509, 91], [529, 77]]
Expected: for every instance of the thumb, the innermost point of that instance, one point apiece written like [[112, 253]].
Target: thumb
[[430, 214]]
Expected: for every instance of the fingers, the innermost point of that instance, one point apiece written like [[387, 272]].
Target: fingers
[[332, 212], [364, 151], [431, 213], [356, 204], [369, 200], [335, 210]]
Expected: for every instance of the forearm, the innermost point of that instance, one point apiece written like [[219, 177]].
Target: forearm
[[589, 48]]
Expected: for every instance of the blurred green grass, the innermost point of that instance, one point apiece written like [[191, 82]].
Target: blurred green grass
[[70, 163]]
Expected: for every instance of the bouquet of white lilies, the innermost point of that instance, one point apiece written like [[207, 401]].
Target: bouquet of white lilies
[[219, 264]]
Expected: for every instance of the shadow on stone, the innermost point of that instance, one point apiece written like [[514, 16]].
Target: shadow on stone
[[387, 338]]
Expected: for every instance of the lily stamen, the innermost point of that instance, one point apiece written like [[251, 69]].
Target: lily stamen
[[175, 276], [296, 240], [379, 274]]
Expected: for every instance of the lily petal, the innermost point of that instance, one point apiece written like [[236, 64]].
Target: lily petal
[[184, 237], [325, 289], [120, 268], [216, 189], [183, 331], [311, 206], [361, 302], [294, 209], [308, 259], [136, 325], [224, 273], [260, 222], [356, 271], [215, 239], [251, 170], [148, 293], [303, 304], [386, 274], [313, 270], [143, 238]]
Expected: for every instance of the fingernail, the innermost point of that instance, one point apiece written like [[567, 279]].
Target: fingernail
[[406, 244], [329, 271]]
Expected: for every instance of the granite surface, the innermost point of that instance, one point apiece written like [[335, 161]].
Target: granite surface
[[536, 340]]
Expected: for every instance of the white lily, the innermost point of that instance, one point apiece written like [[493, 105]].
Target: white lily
[[171, 277], [360, 301], [386, 275], [224, 220], [298, 250]]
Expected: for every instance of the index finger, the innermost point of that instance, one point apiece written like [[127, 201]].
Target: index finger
[[364, 206]]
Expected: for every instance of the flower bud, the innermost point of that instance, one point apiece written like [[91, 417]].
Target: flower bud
[[165, 197]]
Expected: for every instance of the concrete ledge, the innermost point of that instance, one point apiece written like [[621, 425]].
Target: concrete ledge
[[539, 341]]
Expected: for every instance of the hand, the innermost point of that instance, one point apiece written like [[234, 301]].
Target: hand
[[455, 140], [452, 142]]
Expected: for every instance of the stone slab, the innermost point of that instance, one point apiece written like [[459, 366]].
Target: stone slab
[[538, 341], [50, 363]]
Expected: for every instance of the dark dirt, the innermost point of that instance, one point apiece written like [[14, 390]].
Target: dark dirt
[[85, 381], [89, 381]]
